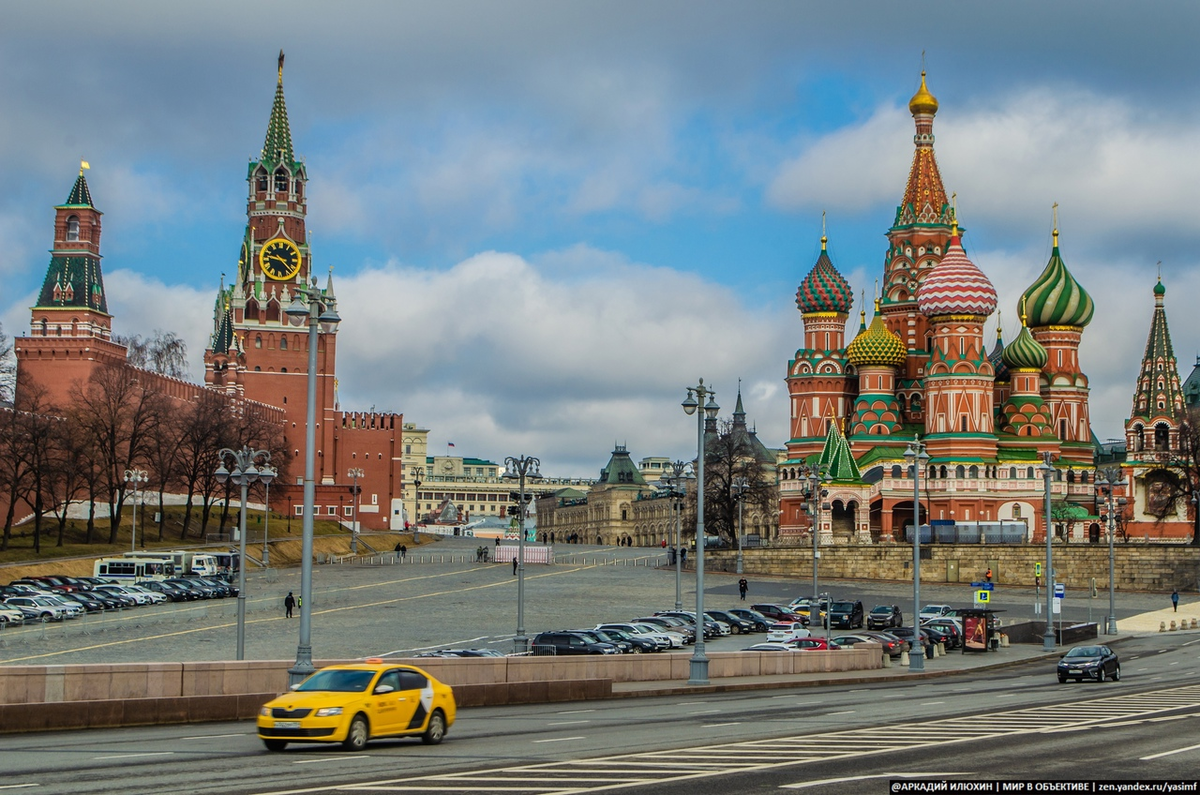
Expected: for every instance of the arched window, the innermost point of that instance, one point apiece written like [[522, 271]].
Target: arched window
[[257, 342], [1138, 438], [960, 471], [283, 369], [973, 472], [896, 471], [261, 180], [257, 369], [1017, 511], [1162, 437], [1029, 473], [283, 342], [902, 402], [944, 472], [281, 180], [73, 228], [1012, 473]]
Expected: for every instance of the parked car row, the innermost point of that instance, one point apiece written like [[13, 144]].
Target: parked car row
[[57, 598], [663, 631]]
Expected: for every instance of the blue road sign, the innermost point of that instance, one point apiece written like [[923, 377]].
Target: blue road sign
[[1060, 590], [985, 586]]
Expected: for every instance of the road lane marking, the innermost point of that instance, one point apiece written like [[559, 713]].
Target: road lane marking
[[706, 711], [134, 756], [18, 786], [1169, 753], [559, 739], [719, 725], [331, 759], [843, 712], [823, 782], [566, 722], [216, 736], [931, 703], [574, 712]]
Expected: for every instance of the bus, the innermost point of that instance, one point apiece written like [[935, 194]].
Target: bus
[[133, 570], [201, 564]]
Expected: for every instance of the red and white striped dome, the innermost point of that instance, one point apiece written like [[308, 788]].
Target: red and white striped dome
[[956, 286]]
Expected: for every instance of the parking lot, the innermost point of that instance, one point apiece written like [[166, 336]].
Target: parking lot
[[442, 599]]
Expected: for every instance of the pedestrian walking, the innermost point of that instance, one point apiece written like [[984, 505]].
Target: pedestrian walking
[[289, 602], [743, 586], [988, 575], [403, 551], [514, 565], [299, 601], [671, 555], [683, 556], [1175, 600]]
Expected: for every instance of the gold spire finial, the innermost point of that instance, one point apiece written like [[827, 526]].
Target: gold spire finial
[[1054, 209], [923, 101], [954, 215], [824, 239], [999, 325], [82, 165], [862, 312], [1023, 315], [281, 67]]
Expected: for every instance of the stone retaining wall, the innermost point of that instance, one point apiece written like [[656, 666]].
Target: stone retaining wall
[[1139, 567], [46, 697]]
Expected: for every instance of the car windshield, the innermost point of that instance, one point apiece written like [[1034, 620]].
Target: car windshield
[[881, 610], [843, 607], [337, 680], [1084, 651]]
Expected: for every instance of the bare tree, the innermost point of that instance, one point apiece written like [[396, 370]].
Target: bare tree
[[14, 467], [728, 458], [36, 421], [8, 368], [202, 434], [163, 353], [165, 457], [1175, 484], [121, 418], [69, 471]]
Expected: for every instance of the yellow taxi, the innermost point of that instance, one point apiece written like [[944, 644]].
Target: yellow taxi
[[352, 704]]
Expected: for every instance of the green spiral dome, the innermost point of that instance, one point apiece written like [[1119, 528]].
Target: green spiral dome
[[1025, 353], [1056, 299]]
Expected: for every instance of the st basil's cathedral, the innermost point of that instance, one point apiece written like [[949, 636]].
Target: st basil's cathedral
[[921, 370]]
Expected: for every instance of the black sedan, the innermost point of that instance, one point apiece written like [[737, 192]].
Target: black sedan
[[91, 603], [884, 616], [1096, 663], [759, 621]]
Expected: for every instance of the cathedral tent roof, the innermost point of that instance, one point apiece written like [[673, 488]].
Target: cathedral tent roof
[[836, 460], [1158, 391], [621, 470], [80, 196]]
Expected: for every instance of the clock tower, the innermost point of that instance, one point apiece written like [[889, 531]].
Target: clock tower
[[254, 352]]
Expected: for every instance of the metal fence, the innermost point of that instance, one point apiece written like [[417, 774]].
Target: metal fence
[[979, 533]]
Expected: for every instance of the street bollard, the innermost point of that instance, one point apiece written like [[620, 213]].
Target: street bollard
[[887, 660], [1193, 623], [941, 648], [1172, 625], [1162, 626], [904, 661]]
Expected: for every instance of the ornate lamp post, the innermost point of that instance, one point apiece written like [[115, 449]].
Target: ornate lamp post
[[243, 474], [1048, 640], [675, 485], [739, 486], [266, 521], [354, 474], [817, 477], [418, 473], [310, 305], [521, 468], [696, 399], [137, 477], [1110, 479], [916, 456]]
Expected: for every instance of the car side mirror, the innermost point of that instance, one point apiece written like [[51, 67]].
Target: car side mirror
[[294, 687], [381, 689]]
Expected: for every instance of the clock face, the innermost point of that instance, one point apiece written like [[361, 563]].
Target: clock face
[[243, 262], [279, 259]]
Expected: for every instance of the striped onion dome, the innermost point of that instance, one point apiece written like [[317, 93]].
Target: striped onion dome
[[824, 289], [956, 286], [877, 345], [1055, 298], [1025, 353]]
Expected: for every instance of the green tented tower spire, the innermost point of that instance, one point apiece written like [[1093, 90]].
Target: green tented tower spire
[[277, 148]]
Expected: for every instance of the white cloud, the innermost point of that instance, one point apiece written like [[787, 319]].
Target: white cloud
[[560, 359]]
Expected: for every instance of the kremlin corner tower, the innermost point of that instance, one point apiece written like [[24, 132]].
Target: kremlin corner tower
[[921, 369]]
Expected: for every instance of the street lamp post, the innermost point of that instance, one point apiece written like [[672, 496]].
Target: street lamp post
[[418, 473], [266, 520], [311, 305], [244, 473], [354, 474], [137, 477], [739, 486], [1048, 641], [696, 399], [1109, 480], [816, 481], [675, 484], [521, 467], [916, 456]]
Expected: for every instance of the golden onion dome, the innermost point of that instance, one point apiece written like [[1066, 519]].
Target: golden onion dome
[[877, 345], [923, 101]]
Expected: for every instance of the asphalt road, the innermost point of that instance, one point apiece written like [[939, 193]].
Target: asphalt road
[[1010, 723], [395, 610]]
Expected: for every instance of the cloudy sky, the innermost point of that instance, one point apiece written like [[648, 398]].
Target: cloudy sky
[[547, 219]]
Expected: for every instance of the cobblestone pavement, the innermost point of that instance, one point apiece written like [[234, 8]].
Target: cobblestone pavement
[[439, 597]]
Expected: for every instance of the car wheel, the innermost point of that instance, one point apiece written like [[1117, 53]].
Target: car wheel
[[1117, 674], [436, 729], [1062, 680], [356, 737], [1100, 674], [636, 650], [275, 745]]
